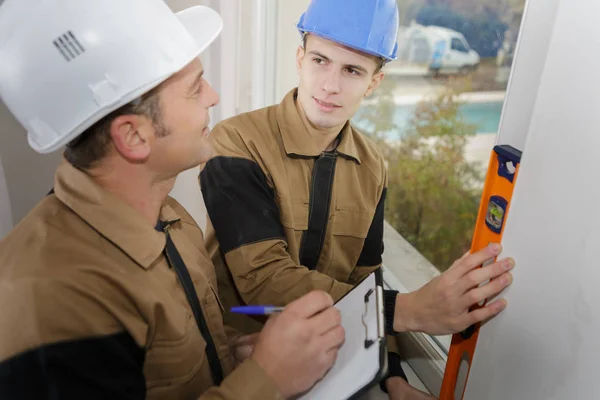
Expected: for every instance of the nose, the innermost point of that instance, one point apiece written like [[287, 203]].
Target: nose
[[212, 96], [331, 82]]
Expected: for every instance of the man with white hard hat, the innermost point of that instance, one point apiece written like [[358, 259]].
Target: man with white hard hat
[[107, 289]]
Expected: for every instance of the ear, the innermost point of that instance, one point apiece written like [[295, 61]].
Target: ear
[[375, 82], [299, 57], [131, 135]]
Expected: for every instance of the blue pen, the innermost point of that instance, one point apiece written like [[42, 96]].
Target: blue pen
[[256, 310]]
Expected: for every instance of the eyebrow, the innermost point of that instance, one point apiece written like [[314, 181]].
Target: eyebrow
[[196, 82], [356, 67]]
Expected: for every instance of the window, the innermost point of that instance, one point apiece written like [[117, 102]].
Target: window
[[436, 119], [437, 130], [458, 45]]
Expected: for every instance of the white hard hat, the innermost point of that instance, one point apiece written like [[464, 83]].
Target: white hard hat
[[65, 64]]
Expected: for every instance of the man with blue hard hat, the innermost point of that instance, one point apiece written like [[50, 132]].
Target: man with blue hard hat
[[296, 194]]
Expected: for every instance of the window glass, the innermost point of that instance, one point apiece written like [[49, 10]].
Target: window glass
[[458, 45], [436, 115]]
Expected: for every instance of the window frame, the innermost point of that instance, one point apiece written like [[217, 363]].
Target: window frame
[[422, 353]]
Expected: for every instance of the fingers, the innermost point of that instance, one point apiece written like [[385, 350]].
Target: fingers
[[247, 339], [484, 313], [327, 359], [487, 291], [474, 260], [330, 344], [326, 320], [310, 304], [333, 339], [480, 275], [241, 353]]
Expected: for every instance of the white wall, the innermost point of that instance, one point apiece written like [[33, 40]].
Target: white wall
[[28, 176], [288, 40], [545, 345]]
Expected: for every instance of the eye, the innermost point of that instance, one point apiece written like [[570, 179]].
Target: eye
[[198, 89], [353, 71], [318, 61]]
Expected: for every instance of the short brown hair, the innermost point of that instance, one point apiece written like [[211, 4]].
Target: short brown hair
[[380, 62], [91, 146]]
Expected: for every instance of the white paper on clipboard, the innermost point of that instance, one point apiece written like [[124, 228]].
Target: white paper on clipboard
[[357, 367]]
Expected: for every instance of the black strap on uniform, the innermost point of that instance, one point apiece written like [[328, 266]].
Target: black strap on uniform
[[176, 262], [318, 213]]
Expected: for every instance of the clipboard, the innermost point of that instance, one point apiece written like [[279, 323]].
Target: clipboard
[[362, 359]]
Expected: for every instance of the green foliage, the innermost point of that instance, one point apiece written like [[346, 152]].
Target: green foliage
[[378, 119], [433, 191]]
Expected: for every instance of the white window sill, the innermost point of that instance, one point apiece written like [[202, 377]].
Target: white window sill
[[405, 270], [405, 262]]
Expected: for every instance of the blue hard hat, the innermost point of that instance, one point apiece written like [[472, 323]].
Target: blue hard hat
[[370, 26]]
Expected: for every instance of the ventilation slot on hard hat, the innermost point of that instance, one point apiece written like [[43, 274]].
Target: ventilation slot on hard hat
[[69, 46]]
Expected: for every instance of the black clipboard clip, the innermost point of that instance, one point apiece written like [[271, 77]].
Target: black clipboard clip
[[380, 334]]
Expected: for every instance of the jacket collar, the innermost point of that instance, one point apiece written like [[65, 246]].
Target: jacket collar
[[114, 219]]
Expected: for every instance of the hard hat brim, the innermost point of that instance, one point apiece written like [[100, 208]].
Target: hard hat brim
[[335, 39], [203, 23]]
